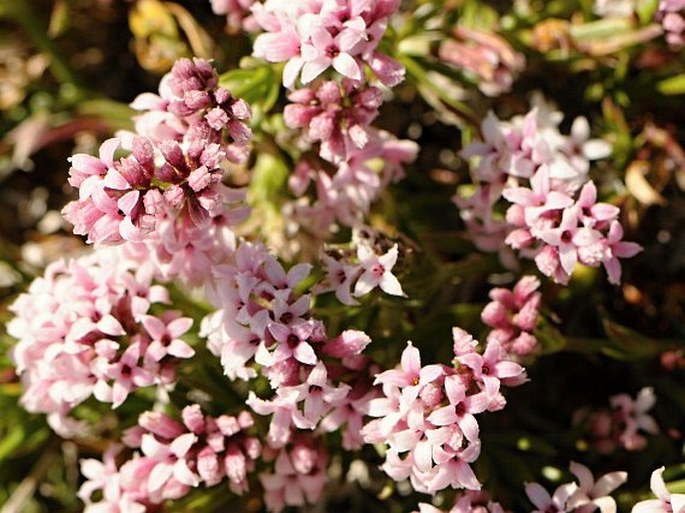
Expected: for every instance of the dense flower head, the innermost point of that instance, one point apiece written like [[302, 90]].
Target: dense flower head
[[337, 115], [312, 37], [193, 109], [553, 215], [103, 342], [128, 199], [426, 416], [173, 458], [513, 315]]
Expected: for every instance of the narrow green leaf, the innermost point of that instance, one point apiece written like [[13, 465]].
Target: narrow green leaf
[[672, 86], [11, 442]]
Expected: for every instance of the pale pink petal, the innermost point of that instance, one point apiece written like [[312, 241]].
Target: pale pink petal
[[347, 66]]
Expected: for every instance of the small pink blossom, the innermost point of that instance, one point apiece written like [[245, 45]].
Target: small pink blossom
[[377, 272]]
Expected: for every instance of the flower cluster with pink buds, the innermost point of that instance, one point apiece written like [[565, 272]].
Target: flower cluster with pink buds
[[173, 458], [427, 415], [174, 170], [553, 215], [585, 496], [513, 315], [312, 37], [337, 115], [624, 425], [103, 342], [195, 111], [483, 56], [671, 16], [337, 118]]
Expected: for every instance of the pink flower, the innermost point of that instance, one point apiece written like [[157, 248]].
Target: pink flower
[[483, 56], [324, 50], [665, 502], [165, 337], [617, 248], [318, 395], [171, 461], [377, 272], [632, 415], [592, 494]]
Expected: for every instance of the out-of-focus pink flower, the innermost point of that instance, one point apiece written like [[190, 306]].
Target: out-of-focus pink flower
[[484, 57], [671, 16], [298, 477], [632, 416]]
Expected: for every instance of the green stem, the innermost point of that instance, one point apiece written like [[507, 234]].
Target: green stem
[[24, 14]]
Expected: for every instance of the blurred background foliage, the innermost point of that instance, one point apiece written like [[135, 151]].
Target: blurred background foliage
[[68, 69]]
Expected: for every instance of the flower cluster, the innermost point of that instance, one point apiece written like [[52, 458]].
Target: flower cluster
[[315, 36], [337, 115], [427, 415], [103, 342], [585, 496], [513, 315], [553, 216], [174, 458], [167, 196], [262, 320], [355, 161], [622, 426], [193, 110], [174, 171]]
